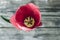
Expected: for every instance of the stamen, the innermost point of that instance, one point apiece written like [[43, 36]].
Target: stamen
[[29, 21]]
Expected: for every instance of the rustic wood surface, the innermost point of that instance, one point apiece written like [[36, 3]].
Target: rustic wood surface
[[50, 29]]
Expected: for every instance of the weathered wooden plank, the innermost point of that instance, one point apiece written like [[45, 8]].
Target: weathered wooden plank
[[38, 34], [6, 13], [54, 2], [50, 19]]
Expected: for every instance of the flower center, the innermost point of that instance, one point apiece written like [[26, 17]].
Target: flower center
[[29, 21]]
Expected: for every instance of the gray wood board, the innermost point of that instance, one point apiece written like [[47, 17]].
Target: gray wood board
[[50, 29], [38, 34]]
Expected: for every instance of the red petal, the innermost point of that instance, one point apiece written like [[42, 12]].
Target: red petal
[[12, 20], [28, 10], [23, 12]]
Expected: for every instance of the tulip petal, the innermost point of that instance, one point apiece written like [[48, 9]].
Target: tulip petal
[[27, 11], [12, 20]]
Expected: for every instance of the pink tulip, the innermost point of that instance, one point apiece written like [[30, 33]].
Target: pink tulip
[[27, 17]]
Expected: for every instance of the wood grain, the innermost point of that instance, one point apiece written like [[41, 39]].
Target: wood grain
[[50, 29]]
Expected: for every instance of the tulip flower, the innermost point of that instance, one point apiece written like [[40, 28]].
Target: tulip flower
[[27, 17]]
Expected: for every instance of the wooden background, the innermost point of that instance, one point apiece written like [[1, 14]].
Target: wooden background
[[50, 29]]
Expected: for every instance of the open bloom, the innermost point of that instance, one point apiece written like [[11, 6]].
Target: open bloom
[[27, 17]]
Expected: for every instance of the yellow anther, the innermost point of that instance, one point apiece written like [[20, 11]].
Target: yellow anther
[[29, 21]]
